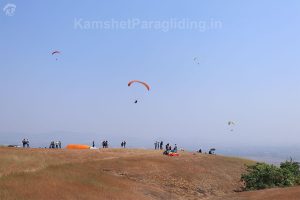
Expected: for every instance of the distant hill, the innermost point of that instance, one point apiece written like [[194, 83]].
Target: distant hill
[[118, 174]]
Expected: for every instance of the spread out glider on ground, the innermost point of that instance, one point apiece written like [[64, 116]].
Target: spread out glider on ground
[[77, 146]]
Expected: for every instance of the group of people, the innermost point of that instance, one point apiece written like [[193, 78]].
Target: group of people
[[211, 151], [105, 144], [169, 148], [55, 145], [25, 143], [158, 145], [123, 144]]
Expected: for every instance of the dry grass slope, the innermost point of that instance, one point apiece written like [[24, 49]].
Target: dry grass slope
[[117, 174]]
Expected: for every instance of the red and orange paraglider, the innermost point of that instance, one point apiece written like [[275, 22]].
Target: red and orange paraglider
[[140, 82], [146, 85]]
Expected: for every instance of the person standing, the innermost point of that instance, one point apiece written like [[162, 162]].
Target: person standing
[[175, 149], [124, 144], [155, 145], [24, 143], [27, 143], [167, 147], [161, 145], [93, 144]]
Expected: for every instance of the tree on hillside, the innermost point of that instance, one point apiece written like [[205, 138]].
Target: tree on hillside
[[262, 175]]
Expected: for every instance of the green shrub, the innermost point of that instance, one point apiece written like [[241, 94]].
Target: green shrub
[[262, 175]]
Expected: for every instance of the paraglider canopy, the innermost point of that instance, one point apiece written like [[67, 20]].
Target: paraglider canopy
[[55, 52], [144, 84], [77, 146], [231, 123], [140, 82], [196, 60]]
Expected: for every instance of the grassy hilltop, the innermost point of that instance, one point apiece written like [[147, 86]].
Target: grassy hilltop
[[120, 174]]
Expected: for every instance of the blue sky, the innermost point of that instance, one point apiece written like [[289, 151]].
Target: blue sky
[[248, 72]]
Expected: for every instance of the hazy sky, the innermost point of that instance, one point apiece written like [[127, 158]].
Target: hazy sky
[[248, 72]]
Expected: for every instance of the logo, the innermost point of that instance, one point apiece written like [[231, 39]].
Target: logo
[[9, 9]]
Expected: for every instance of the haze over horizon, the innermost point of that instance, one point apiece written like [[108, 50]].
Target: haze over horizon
[[248, 72]]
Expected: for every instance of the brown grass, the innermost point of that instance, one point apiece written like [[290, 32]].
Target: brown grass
[[116, 174]]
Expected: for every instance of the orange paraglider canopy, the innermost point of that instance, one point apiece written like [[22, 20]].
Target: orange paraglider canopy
[[77, 146], [143, 83]]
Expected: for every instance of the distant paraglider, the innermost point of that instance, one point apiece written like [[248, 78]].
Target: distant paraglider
[[196, 60], [55, 53], [231, 124], [139, 82]]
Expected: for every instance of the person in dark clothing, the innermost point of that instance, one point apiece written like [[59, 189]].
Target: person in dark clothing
[[93, 144], [200, 151], [59, 144], [161, 145], [103, 144], [167, 147], [24, 143], [124, 144]]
